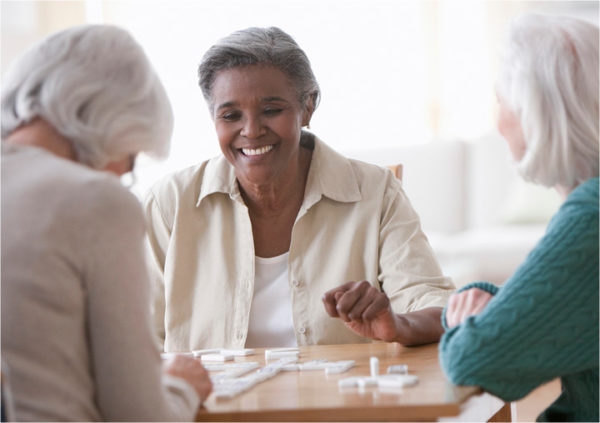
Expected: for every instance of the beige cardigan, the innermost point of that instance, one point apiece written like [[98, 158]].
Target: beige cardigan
[[76, 331]]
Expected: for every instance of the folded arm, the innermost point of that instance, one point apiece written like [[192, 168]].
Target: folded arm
[[542, 324]]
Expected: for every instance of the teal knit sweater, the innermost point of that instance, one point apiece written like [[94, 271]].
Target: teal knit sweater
[[543, 323]]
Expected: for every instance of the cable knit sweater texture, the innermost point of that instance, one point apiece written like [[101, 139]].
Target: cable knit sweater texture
[[543, 323]]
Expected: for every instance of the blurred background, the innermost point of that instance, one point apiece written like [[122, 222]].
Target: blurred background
[[403, 82]]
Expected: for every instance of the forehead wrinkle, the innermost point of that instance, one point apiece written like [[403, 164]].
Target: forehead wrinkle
[[274, 98], [251, 86], [226, 104], [267, 99]]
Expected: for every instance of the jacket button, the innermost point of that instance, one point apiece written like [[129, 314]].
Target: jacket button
[[302, 329]]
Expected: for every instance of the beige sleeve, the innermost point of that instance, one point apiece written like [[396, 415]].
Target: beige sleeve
[[409, 272], [157, 240]]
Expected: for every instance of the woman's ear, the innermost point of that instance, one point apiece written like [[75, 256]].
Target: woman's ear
[[120, 167], [309, 108]]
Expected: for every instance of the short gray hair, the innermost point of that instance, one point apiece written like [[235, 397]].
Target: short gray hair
[[260, 46], [549, 78], [96, 87]]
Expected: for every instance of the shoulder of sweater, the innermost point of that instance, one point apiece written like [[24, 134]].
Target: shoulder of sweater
[[582, 202], [89, 202], [105, 199], [371, 171], [376, 180], [586, 194], [83, 191], [367, 175]]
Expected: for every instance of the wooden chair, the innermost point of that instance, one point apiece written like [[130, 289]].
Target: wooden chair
[[396, 170]]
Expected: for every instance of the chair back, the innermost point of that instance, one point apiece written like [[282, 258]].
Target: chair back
[[396, 170]]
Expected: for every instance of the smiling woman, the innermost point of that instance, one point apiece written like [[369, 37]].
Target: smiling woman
[[282, 241], [258, 119]]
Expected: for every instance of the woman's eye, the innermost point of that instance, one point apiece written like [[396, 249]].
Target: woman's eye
[[230, 116], [272, 111]]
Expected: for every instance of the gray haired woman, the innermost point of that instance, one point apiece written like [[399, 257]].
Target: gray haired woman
[[76, 333], [542, 323], [281, 241]]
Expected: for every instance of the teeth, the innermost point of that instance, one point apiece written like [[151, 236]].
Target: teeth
[[257, 151]]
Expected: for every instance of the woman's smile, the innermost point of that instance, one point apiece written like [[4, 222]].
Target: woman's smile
[[257, 151]]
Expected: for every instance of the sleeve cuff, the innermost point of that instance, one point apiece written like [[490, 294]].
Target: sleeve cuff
[[188, 398], [490, 288]]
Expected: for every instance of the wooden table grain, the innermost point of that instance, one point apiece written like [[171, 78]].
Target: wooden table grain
[[315, 396]]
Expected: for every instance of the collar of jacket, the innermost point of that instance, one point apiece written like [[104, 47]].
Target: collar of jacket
[[330, 175]]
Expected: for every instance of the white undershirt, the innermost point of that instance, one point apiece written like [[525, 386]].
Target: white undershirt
[[271, 322]]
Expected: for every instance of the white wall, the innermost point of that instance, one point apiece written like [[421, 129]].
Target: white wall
[[391, 72]]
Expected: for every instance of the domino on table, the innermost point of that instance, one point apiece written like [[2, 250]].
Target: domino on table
[[281, 353], [225, 351], [340, 367], [398, 369], [199, 353], [238, 353], [230, 370], [214, 351], [382, 381], [330, 367], [167, 355], [225, 388], [216, 357]]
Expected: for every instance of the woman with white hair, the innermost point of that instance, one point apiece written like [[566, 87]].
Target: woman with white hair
[[76, 335], [542, 323]]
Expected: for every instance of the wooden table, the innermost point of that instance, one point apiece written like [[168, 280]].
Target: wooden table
[[315, 396]]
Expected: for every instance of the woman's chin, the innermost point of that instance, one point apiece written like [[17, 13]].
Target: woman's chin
[[258, 176]]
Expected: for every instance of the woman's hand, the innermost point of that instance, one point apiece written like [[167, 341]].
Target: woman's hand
[[364, 309], [465, 304], [190, 370], [367, 311]]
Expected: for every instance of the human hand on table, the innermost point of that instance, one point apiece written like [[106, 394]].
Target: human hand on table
[[464, 304], [190, 370], [364, 309]]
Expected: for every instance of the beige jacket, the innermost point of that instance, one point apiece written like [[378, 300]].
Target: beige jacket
[[355, 223]]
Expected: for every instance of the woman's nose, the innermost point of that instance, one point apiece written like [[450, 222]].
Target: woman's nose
[[252, 128]]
